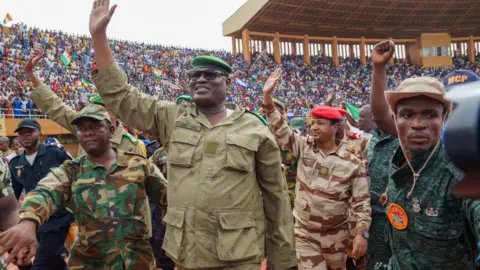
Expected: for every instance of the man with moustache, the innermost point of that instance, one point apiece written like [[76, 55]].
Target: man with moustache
[[27, 169]]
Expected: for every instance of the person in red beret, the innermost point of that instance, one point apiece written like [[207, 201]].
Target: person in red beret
[[327, 177]]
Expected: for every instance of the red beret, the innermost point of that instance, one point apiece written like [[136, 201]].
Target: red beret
[[327, 112]]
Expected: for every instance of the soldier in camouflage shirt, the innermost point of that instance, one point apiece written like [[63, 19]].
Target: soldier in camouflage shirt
[[429, 227], [8, 203], [107, 190]]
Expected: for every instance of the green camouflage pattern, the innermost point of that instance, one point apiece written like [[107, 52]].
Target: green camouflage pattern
[[289, 164], [5, 180], [381, 148], [159, 158], [442, 228], [92, 111], [110, 208]]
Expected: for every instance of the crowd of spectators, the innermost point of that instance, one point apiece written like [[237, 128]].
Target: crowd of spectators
[[302, 87]]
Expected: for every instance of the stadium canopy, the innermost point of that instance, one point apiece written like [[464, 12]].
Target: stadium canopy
[[359, 18]]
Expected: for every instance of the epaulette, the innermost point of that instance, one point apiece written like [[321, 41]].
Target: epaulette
[[183, 97], [130, 136], [259, 117], [353, 135]]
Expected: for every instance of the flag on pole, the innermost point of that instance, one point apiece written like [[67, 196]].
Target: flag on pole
[[8, 18], [240, 85], [157, 72], [66, 58], [353, 111]]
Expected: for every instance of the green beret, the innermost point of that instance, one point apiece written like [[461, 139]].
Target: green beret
[[278, 103], [97, 99], [298, 123], [183, 97], [211, 62]]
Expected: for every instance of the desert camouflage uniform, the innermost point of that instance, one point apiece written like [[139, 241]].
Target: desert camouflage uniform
[[54, 107], [5, 189], [110, 208], [225, 181], [324, 185], [442, 229]]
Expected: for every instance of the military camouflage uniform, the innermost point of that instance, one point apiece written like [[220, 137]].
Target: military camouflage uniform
[[225, 181], [159, 158], [381, 148], [5, 190], [324, 184], [110, 208], [52, 105], [289, 163], [442, 228], [6, 153]]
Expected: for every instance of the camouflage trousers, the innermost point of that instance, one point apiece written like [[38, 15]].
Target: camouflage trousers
[[252, 266], [321, 250]]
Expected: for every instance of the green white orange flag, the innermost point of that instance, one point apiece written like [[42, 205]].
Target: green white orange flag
[[66, 58], [8, 18], [157, 72]]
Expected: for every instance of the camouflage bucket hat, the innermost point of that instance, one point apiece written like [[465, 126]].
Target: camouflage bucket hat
[[92, 111]]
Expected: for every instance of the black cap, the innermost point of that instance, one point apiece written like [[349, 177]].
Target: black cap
[[28, 123]]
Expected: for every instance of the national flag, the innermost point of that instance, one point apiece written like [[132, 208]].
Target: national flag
[[353, 111], [157, 72], [85, 83], [8, 18], [240, 85], [65, 57]]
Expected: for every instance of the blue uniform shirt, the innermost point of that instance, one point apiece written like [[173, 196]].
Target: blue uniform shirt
[[26, 176]]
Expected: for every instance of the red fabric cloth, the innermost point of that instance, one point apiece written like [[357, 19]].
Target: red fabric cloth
[[328, 112]]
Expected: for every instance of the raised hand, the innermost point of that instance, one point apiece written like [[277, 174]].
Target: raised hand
[[100, 17], [272, 81], [33, 61], [382, 52], [22, 241]]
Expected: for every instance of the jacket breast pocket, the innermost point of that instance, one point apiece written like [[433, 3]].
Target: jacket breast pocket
[[92, 196], [173, 240], [182, 147], [241, 152], [237, 236]]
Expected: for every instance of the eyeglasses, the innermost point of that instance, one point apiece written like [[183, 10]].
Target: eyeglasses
[[209, 75]]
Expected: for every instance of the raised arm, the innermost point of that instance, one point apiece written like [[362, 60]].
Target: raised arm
[[280, 238], [132, 107], [39, 204], [45, 99], [284, 135], [382, 115]]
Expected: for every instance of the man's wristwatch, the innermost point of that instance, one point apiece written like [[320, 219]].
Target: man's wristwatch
[[365, 234]]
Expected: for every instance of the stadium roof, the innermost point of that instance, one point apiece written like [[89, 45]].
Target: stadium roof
[[354, 19]]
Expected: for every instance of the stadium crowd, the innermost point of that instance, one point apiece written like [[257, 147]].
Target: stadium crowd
[[302, 85]]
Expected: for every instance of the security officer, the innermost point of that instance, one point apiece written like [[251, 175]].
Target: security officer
[[26, 171], [227, 196], [54, 107], [327, 176]]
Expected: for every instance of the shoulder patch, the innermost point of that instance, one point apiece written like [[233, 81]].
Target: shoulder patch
[[130, 136], [354, 135], [264, 122]]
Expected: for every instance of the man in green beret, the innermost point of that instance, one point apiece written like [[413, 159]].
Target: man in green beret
[[54, 107], [226, 185]]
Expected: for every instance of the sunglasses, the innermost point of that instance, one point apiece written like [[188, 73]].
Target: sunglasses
[[209, 75]]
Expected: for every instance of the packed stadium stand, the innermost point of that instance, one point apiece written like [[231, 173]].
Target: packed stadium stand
[[161, 71]]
